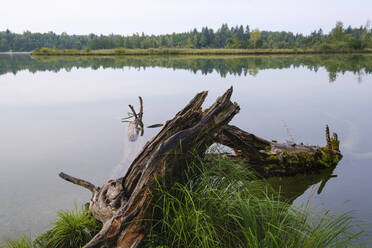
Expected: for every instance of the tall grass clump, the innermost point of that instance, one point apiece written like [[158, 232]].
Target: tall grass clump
[[72, 229], [225, 206], [21, 242]]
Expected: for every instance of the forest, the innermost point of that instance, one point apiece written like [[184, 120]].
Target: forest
[[340, 38]]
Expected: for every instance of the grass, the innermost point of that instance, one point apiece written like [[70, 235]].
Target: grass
[[21, 242], [72, 229], [224, 207], [186, 51]]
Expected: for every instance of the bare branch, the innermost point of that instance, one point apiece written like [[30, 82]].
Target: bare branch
[[79, 182], [126, 118], [155, 125], [328, 138], [133, 111], [141, 108]]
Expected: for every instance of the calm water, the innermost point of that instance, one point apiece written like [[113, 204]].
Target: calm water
[[63, 114]]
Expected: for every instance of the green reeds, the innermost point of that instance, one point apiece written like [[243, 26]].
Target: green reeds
[[226, 207]]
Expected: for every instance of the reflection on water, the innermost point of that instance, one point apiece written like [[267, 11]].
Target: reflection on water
[[234, 65], [290, 188], [133, 143], [130, 151], [67, 118]]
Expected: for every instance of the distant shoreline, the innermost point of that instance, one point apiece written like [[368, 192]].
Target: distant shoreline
[[186, 51]]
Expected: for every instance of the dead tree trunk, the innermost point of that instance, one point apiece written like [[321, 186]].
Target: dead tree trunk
[[269, 158], [122, 204]]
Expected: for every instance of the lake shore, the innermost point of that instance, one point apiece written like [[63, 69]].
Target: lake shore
[[186, 51]]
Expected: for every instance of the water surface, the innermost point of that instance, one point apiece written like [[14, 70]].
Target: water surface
[[63, 114]]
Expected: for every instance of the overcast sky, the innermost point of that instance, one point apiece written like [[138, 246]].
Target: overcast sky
[[167, 16]]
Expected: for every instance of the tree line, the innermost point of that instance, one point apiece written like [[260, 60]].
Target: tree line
[[339, 38]]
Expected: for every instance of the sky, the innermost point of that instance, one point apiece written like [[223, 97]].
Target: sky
[[167, 16]]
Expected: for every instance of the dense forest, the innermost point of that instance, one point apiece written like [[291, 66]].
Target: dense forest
[[224, 37]]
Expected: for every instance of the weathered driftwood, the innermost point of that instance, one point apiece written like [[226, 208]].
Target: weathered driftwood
[[122, 204], [270, 158]]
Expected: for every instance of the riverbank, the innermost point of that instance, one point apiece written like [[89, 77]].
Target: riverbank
[[187, 51]]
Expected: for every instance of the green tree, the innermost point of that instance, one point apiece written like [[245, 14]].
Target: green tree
[[338, 32], [255, 36]]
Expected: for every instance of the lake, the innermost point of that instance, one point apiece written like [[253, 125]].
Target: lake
[[63, 114]]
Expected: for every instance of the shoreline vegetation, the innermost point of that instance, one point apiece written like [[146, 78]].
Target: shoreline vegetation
[[190, 51]]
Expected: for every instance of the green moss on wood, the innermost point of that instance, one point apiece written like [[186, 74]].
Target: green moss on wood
[[289, 162]]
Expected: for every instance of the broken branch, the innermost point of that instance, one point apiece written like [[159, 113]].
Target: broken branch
[[79, 182]]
